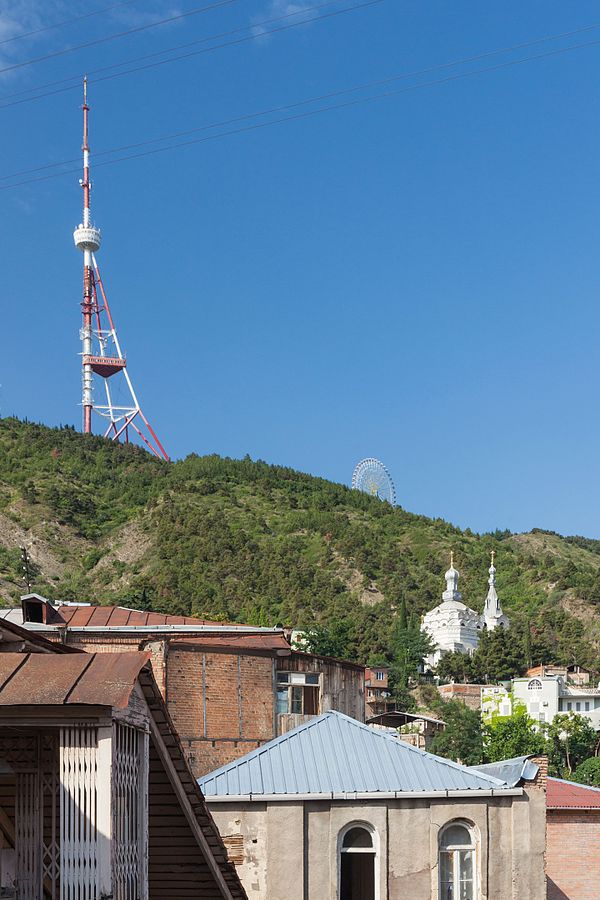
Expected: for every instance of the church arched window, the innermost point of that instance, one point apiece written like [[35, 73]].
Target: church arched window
[[535, 685]]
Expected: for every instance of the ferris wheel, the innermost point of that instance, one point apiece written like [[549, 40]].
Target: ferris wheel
[[372, 477]]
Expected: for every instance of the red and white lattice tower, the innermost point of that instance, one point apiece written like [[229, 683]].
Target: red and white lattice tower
[[101, 357]]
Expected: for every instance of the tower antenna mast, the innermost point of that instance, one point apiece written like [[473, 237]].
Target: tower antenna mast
[[101, 356]]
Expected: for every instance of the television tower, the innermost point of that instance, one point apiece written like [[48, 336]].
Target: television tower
[[101, 354]]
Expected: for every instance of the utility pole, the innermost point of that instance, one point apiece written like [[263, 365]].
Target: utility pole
[[26, 563]]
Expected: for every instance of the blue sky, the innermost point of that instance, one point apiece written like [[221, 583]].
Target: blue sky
[[414, 278]]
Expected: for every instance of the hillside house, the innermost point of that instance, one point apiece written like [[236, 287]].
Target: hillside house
[[95, 794], [544, 696], [378, 697], [336, 810], [228, 688]]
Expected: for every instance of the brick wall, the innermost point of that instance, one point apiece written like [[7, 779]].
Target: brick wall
[[573, 854], [221, 704], [470, 694]]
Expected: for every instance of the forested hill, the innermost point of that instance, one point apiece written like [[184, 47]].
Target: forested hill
[[243, 540]]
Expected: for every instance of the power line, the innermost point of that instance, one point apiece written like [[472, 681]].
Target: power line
[[326, 96], [214, 37], [309, 113], [96, 12], [113, 37]]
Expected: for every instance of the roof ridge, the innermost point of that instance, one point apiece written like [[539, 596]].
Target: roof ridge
[[391, 741], [575, 784], [422, 753]]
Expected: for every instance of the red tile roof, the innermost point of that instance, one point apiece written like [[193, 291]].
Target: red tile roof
[[567, 795], [92, 679]]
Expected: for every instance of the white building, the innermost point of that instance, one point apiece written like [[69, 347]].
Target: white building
[[547, 696], [544, 697], [453, 626], [493, 617]]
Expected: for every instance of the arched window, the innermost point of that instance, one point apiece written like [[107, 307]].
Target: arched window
[[458, 880], [357, 864], [535, 685]]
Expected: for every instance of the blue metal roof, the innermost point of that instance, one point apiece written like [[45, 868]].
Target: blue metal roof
[[510, 771], [334, 755]]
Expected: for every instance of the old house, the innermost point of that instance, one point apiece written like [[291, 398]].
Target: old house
[[228, 688], [378, 697], [336, 810], [95, 793]]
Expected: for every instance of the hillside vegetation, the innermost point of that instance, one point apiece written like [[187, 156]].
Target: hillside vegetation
[[243, 540]]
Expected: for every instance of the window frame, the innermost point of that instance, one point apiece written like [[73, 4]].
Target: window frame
[[293, 682], [473, 847], [374, 851]]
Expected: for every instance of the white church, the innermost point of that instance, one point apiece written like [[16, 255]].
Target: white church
[[453, 627]]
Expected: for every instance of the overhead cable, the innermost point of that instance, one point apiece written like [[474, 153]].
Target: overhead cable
[[113, 37], [88, 15], [74, 81], [309, 113]]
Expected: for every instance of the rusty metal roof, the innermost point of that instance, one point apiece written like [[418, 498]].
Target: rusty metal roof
[[11, 634], [235, 642], [115, 616], [91, 679]]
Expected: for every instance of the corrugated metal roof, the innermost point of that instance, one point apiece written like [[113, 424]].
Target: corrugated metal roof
[[115, 616], [235, 642], [511, 771], [567, 795], [12, 635], [106, 617], [92, 679], [333, 754]]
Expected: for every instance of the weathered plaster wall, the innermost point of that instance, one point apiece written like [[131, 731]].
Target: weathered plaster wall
[[296, 845]]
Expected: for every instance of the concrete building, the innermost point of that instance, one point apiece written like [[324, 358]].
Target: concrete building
[[336, 810], [455, 628], [544, 697], [573, 840], [228, 688]]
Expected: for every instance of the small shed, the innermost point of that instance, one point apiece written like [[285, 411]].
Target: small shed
[[414, 728]]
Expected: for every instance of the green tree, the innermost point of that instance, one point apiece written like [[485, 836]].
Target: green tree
[[588, 772], [329, 640], [516, 735], [410, 646], [571, 740], [456, 667], [462, 738], [499, 655]]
